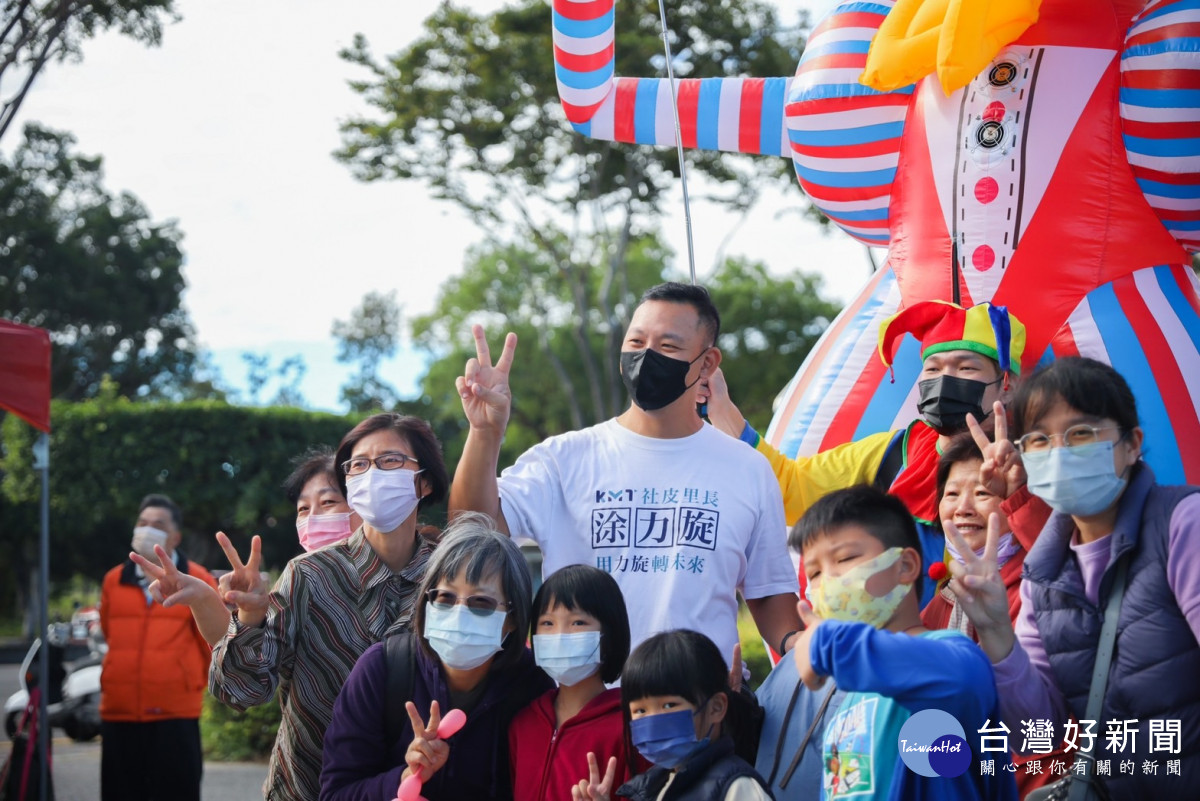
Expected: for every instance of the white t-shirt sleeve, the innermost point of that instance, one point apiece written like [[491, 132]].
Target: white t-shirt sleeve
[[769, 569], [531, 492]]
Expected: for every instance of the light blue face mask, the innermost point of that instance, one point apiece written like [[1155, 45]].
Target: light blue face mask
[[1078, 480], [462, 639], [568, 658], [667, 739]]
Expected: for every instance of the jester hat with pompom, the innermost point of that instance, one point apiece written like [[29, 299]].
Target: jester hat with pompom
[[941, 326]]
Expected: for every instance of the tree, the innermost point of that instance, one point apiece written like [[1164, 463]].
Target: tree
[[768, 326], [288, 375], [366, 339], [258, 373], [37, 32], [471, 110], [510, 288], [475, 98], [94, 270]]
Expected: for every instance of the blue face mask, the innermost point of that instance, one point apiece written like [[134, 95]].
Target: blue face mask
[[1078, 480], [668, 739]]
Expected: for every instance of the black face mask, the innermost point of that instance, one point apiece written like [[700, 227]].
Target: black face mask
[[654, 380], [947, 400]]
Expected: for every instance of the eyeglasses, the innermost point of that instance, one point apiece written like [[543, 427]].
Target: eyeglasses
[[388, 461], [481, 605], [1082, 434]]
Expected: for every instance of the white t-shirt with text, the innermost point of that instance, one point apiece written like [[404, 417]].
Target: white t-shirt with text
[[681, 524]]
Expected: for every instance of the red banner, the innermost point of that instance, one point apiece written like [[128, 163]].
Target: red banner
[[25, 373]]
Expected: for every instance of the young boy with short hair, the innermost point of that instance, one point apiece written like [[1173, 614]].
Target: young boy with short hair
[[862, 558]]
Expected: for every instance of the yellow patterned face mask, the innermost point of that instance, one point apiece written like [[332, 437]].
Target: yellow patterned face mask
[[845, 597]]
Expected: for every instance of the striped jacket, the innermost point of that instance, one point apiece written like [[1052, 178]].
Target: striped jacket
[[327, 608]]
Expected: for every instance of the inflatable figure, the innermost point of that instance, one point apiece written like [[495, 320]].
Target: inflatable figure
[[1059, 176]]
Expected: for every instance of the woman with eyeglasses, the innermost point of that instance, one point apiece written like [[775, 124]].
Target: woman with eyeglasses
[[466, 651], [1079, 443], [331, 604]]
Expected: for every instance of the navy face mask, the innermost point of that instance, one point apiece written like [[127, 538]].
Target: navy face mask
[[655, 380], [668, 739]]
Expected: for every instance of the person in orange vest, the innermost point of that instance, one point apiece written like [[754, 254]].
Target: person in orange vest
[[155, 672]]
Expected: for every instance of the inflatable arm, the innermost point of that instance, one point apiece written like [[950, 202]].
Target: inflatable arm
[[735, 115], [1160, 113], [843, 138]]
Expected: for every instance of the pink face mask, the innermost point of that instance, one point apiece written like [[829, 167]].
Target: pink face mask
[[317, 531]]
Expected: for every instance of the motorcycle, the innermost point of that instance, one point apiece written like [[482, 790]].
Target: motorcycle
[[74, 696]]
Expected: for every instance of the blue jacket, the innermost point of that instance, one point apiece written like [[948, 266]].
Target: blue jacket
[[949, 673], [705, 776], [1155, 672], [360, 765]]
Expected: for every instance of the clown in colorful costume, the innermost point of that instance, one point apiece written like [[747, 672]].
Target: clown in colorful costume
[[1046, 159], [967, 356]]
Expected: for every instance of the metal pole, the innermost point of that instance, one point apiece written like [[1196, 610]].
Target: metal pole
[[687, 206], [41, 463]]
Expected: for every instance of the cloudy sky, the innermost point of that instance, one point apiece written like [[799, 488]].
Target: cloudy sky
[[228, 128]]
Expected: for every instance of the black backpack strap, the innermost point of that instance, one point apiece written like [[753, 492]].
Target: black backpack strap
[[400, 654], [891, 464]]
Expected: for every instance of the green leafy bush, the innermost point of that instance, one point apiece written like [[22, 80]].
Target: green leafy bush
[[231, 736], [754, 652]]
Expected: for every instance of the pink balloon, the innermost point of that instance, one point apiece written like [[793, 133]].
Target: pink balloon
[[410, 788], [454, 720]]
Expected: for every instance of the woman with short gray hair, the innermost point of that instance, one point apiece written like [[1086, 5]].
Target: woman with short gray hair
[[466, 651]]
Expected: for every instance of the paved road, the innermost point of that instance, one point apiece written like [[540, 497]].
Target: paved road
[[77, 765]]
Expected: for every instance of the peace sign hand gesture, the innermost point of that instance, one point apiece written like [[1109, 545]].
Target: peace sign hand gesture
[[170, 587], [595, 788], [486, 396], [244, 586], [428, 752], [1002, 472], [980, 591]]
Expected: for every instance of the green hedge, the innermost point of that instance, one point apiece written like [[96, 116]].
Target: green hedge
[[222, 464], [231, 736]]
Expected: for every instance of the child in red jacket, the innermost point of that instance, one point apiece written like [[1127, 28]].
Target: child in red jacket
[[581, 639]]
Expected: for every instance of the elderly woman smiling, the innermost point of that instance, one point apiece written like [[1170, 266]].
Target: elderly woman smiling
[[331, 604]]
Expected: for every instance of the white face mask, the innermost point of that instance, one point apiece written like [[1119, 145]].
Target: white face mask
[[144, 540], [568, 658], [462, 639], [317, 531], [383, 498]]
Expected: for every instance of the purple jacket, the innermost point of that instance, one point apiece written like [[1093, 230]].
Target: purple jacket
[[360, 765]]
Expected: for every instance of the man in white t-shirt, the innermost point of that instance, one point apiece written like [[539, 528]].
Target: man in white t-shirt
[[682, 516]]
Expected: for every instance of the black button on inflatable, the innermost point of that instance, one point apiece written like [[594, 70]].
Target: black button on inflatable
[[1002, 74]]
